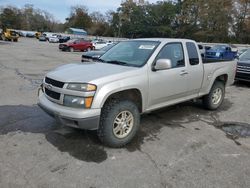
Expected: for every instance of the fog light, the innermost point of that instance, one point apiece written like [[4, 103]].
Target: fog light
[[74, 101]]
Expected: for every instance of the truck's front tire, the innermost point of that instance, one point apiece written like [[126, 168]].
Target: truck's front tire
[[119, 123], [214, 99]]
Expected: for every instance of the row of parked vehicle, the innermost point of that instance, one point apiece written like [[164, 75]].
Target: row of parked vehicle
[[53, 38]]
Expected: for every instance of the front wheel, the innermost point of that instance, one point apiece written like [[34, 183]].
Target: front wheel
[[214, 99], [119, 123]]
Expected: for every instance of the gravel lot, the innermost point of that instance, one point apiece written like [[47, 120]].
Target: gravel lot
[[180, 146]]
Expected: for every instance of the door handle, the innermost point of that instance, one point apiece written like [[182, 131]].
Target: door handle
[[183, 72]]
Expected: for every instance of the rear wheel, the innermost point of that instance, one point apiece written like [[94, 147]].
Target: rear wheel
[[119, 123], [214, 99]]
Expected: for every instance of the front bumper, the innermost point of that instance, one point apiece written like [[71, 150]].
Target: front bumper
[[242, 76], [78, 118]]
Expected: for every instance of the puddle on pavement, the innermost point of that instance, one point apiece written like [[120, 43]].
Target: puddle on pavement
[[235, 130]]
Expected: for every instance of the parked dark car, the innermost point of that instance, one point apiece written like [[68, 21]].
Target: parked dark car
[[241, 51], [243, 67], [76, 45], [223, 52], [90, 56], [42, 38], [63, 39]]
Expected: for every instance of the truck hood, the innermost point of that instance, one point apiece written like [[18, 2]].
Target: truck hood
[[86, 72]]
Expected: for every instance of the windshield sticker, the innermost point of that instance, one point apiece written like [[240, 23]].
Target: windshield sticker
[[147, 47]]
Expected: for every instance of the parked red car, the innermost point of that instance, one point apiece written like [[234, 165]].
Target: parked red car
[[76, 45]]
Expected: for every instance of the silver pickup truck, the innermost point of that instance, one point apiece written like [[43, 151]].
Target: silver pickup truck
[[134, 77]]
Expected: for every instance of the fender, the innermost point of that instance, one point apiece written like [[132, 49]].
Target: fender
[[135, 82]]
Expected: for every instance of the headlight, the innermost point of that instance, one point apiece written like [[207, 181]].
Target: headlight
[[81, 87], [77, 102]]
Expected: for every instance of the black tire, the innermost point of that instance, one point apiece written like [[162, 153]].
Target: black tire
[[209, 101], [71, 49], [110, 112]]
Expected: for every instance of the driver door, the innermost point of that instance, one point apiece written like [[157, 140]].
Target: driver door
[[170, 84]]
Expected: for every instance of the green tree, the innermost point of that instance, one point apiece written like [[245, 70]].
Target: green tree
[[79, 18], [10, 17], [241, 20]]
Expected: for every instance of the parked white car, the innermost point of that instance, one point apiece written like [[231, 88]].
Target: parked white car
[[100, 44], [54, 38]]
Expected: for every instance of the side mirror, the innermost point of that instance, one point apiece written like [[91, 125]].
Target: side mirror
[[162, 64]]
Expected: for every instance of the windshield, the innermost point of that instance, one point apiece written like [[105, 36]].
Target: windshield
[[130, 53], [218, 47], [245, 56], [106, 48]]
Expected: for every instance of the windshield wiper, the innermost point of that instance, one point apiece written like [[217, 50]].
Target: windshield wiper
[[120, 63], [98, 59], [117, 62]]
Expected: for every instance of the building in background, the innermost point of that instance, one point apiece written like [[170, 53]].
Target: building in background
[[75, 31]]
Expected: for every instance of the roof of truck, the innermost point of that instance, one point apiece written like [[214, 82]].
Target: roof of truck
[[166, 39]]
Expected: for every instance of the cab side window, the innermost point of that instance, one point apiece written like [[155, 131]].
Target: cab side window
[[192, 53], [174, 52]]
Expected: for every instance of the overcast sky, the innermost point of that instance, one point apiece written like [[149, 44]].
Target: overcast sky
[[61, 8]]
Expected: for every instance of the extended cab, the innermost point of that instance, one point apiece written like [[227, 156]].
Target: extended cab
[[133, 77]]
